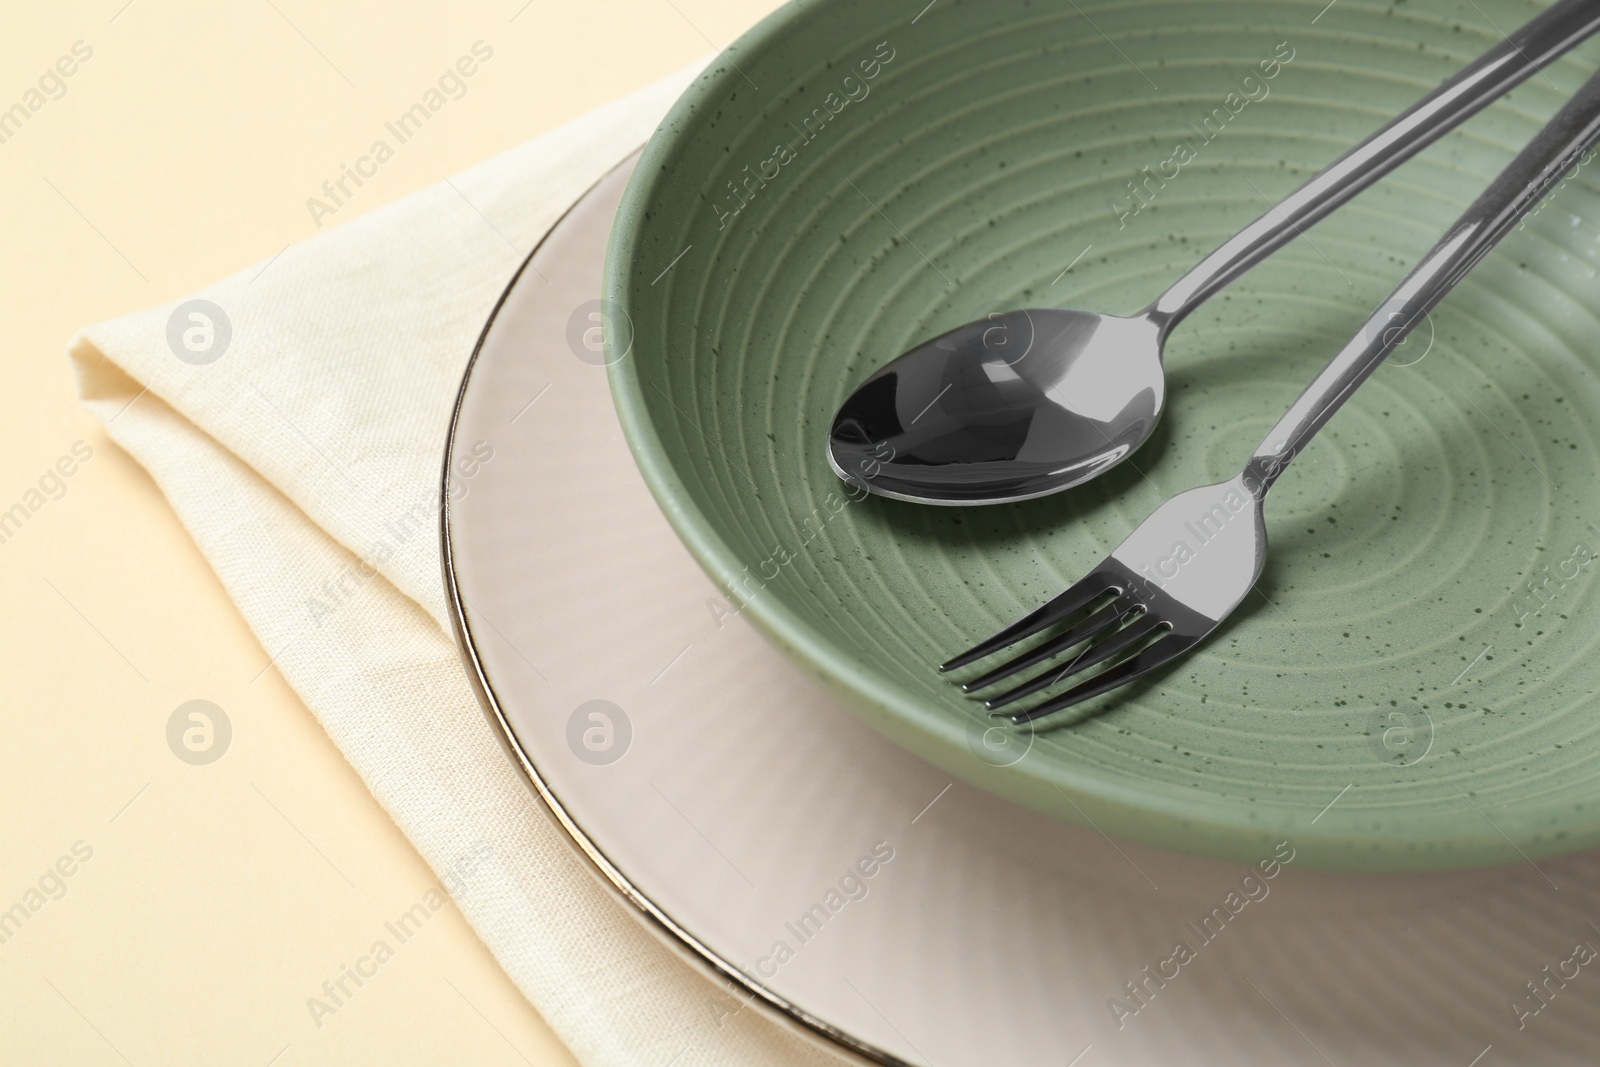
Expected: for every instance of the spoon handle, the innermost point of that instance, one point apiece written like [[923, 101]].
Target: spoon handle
[[1529, 177], [1507, 64]]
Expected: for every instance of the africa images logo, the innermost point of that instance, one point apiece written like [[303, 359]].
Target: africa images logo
[[450, 85], [1144, 188], [855, 88]]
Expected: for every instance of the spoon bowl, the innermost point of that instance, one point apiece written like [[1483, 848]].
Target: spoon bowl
[[1021, 404]]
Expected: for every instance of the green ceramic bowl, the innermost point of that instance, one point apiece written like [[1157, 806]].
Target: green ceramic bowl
[[1415, 687]]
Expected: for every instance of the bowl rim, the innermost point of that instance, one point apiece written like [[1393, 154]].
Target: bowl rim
[[1152, 813]]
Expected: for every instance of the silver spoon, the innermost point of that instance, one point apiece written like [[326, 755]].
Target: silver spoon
[[1029, 403]]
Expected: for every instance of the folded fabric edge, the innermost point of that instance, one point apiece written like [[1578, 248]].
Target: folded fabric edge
[[567, 161], [110, 392], [636, 992]]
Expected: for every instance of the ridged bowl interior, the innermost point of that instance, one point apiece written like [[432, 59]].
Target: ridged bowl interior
[[853, 177]]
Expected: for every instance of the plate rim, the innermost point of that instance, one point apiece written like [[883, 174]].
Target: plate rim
[[652, 916]]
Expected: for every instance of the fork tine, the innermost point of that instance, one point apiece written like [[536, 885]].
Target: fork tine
[[1120, 641], [1103, 619], [1079, 595], [1162, 651]]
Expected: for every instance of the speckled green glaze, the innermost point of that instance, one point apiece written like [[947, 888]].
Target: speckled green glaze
[[1396, 659]]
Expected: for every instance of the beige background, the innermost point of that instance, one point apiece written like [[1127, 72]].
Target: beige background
[[219, 898]]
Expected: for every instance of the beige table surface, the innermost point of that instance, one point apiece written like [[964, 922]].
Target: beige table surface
[[216, 899]]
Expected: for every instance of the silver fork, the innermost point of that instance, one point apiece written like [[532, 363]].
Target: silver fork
[[1187, 566]]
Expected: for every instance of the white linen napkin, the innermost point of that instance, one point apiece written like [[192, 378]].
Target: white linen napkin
[[305, 460]]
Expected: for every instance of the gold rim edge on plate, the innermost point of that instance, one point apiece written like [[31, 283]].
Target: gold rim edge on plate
[[651, 916]]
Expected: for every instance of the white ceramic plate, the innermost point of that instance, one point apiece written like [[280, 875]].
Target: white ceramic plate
[[853, 890]]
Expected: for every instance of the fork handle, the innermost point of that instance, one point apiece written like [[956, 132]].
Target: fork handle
[[1537, 169], [1506, 65]]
